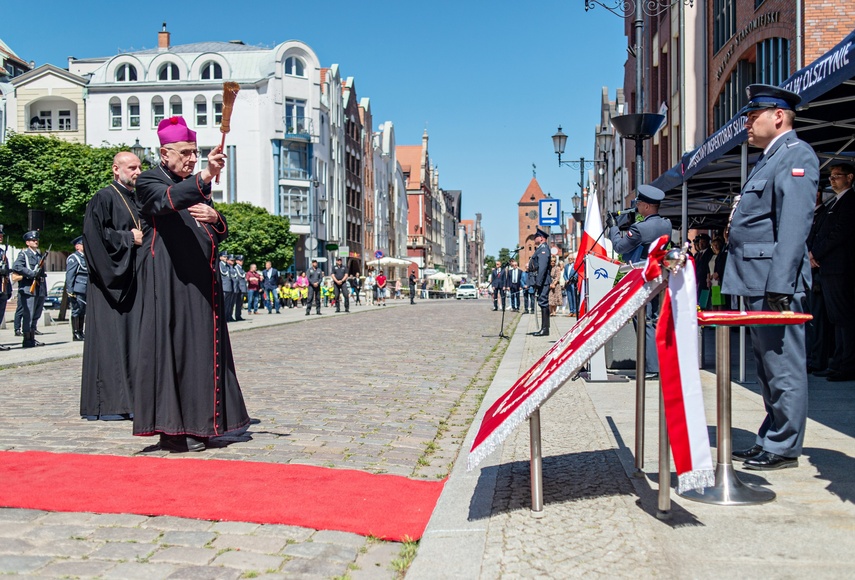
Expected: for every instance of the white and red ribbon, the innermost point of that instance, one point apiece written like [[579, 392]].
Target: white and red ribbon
[[680, 379]]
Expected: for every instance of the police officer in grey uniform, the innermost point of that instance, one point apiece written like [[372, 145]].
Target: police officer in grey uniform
[[540, 277], [768, 265], [632, 240], [315, 276], [32, 300], [226, 281], [76, 282], [5, 282], [340, 286], [240, 289]]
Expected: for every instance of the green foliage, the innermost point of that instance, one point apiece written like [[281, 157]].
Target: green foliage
[[49, 174], [257, 235], [489, 264], [504, 255]]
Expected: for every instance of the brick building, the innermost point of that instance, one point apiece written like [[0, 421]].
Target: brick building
[[527, 212]]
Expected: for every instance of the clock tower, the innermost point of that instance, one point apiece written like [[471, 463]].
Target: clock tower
[[528, 218]]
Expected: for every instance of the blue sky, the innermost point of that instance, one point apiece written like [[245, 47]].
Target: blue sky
[[491, 81]]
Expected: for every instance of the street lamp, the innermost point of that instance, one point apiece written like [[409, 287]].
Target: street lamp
[[559, 141], [138, 149]]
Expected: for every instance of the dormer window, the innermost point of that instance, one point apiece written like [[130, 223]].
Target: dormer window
[[126, 73], [168, 72], [294, 67], [211, 70]]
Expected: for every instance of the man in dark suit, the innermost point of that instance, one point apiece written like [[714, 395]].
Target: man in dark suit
[[270, 286], [497, 283], [819, 333], [833, 252], [513, 284], [769, 267], [703, 255]]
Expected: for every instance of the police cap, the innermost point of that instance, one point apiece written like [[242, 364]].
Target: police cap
[[338, 259], [31, 235], [769, 97], [77, 240], [230, 257], [540, 233], [239, 258], [224, 254], [649, 194]]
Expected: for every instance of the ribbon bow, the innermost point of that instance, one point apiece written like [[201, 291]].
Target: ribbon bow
[[655, 254]]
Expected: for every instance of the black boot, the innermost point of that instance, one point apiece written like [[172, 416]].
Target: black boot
[[75, 329], [544, 322], [80, 326], [29, 340]]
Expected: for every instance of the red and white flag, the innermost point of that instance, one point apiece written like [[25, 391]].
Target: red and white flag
[[677, 345], [589, 245]]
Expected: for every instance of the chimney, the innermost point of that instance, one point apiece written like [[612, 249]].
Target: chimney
[[163, 39]]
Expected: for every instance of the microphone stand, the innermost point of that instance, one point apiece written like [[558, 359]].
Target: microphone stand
[[504, 302]]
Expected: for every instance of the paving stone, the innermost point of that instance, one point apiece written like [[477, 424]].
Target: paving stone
[[139, 571], [304, 569], [118, 534], [194, 539], [14, 546], [321, 551], [66, 548], [205, 573], [65, 518], [123, 520], [294, 533], [234, 527], [262, 544], [180, 555], [79, 569], [58, 532], [176, 524], [375, 563], [21, 564], [10, 529], [123, 551], [341, 538], [248, 561], [20, 515]]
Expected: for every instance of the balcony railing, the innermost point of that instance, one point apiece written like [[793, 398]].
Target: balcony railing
[[298, 127]]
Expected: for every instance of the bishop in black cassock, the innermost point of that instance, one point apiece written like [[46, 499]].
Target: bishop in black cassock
[[187, 390], [112, 234]]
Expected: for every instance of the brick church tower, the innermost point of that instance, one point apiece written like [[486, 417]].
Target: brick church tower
[[528, 218]]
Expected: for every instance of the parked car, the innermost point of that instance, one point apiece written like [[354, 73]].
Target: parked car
[[54, 295], [466, 291]]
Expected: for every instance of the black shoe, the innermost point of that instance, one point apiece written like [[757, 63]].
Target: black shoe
[[307, 313], [239, 319], [840, 377], [494, 309], [770, 462], [181, 443], [37, 332], [318, 312], [541, 332], [749, 453], [4, 347], [347, 311], [19, 333], [337, 310]]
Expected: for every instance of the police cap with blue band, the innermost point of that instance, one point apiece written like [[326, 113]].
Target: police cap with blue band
[[762, 97], [650, 194]]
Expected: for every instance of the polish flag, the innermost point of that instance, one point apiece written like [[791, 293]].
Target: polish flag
[[589, 245]]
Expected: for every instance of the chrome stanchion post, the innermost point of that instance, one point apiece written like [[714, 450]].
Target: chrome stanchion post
[[742, 343], [728, 489], [536, 467], [640, 371], [664, 511]]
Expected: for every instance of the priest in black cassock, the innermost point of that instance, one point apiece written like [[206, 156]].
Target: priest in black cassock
[[186, 389], [112, 236]]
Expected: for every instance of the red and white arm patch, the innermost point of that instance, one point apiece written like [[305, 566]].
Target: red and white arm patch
[[798, 172]]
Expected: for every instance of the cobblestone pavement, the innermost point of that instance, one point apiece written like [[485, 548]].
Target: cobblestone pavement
[[384, 390]]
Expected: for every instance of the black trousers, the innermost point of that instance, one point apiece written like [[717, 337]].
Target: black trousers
[[837, 291], [496, 293], [314, 298], [78, 305], [338, 291]]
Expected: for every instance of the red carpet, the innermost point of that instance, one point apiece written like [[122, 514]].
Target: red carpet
[[386, 506]]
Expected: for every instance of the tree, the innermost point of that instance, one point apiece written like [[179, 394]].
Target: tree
[[257, 235], [504, 256], [489, 264], [52, 175]]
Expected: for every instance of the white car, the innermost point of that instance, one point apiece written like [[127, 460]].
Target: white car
[[466, 291]]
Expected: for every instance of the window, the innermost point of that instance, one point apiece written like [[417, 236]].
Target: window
[[733, 96], [126, 73], [294, 67], [201, 107], [294, 160], [773, 61], [203, 157], [218, 110], [294, 203], [724, 22], [45, 121], [156, 111], [115, 113], [168, 72], [295, 120], [211, 70], [134, 113], [65, 120], [175, 106]]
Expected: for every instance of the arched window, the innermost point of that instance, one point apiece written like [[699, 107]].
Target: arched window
[[295, 67], [126, 73], [115, 113], [200, 106], [211, 70], [156, 111], [218, 110], [134, 113], [175, 107], [168, 72]]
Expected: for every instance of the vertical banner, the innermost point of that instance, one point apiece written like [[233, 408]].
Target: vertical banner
[[601, 278]]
